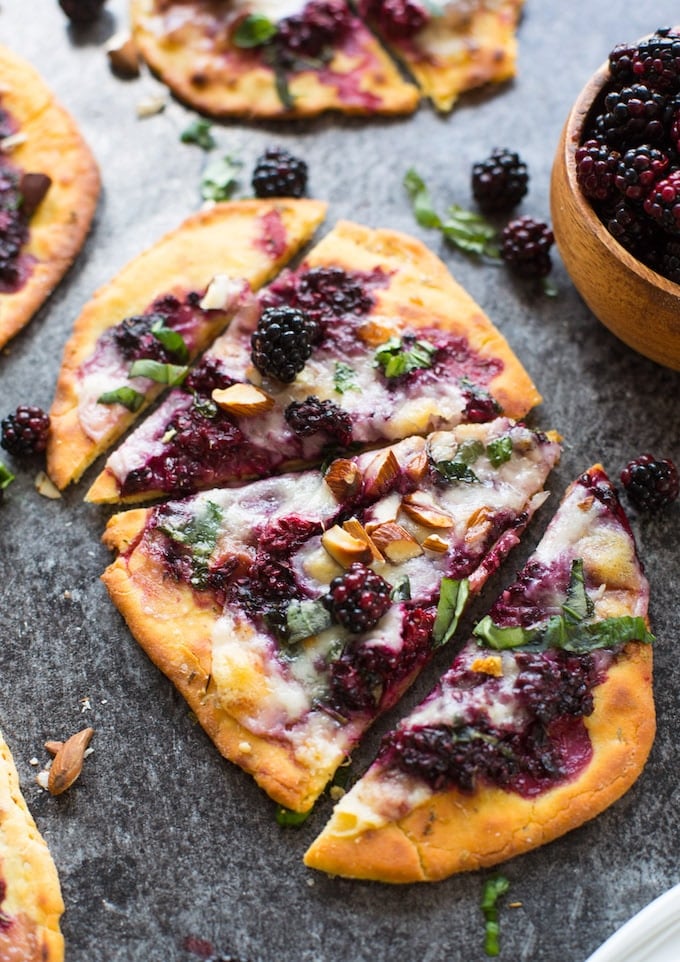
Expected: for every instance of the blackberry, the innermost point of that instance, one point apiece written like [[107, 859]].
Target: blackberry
[[525, 247], [133, 337], [651, 483], [312, 415], [669, 260], [13, 225], [322, 24], [633, 115], [26, 431], [281, 343], [278, 173], [596, 165], [638, 169], [631, 228], [662, 203], [398, 19], [208, 375], [358, 598], [500, 181], [82, 11], [655, 61]]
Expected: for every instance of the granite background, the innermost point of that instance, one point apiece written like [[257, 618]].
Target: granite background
[[161, 840]]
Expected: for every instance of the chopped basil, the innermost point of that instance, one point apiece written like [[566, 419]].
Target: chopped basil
[[499, 450], [577, 605], [127, 396], [6, 476], [401, 591], [493, 889], [199, 132], [453, 596], [205, 406], [458, 468], [290, 819], [219, 178], [253, 31], [158, 371], [198, 532], [420, 197], [306, 618], [172, 341], [401, 355], [499, 638], [344, 378]]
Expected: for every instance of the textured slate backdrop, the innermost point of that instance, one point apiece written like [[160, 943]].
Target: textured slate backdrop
[[161, 839]]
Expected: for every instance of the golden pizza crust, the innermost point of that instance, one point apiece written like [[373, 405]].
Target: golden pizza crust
[[468, 51], [456, 832], [188, 46], [32, 900], [54, 146], [229, 238]]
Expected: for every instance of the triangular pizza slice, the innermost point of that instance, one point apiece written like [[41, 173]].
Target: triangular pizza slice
[[545, 717], [269, 58], [140, 330], [394, 346], [292, 611], [49, 186], [30, 896]]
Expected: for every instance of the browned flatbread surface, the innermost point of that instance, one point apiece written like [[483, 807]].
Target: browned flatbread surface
[[30, 902], [50, 143], [190, 47], [229, 238]]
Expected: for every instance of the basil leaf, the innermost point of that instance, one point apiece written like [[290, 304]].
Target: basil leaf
[[199, 132], [171, 374], [499, 450], [608, 634], [306, 618], [172, 341], [578, 605], [424, 212], [219, 178], [253, 31], [453, 595], [344, 378], [470, 232], [199, 532], [290, 819], [456, 471], [493, 889], [558, 633], [127, 396], [6, 476], [501, 638], [399, 356], [401, 590]]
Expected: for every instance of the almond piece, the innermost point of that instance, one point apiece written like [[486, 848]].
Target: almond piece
[[53, 747], [488, 665], [381, 472], [343, 478], [395, 543], [417, 466], [345, 548], [357, 530], [374, 333], [123, 55], [435, 542], [221, 294], [244, 399], [68, 762], [478, 525], [424, 512]]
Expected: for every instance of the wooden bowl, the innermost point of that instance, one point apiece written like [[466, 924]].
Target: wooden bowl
[[638, 305]]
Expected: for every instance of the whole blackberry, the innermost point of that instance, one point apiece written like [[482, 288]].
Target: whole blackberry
[[662, 203], [281, 343], [398, 19], [322, 24], [26, 431], [358, 598], [638, 170], [633, 115], [669, 260], [500, 181], [654, 61], [278, 173], [525, 247], [651, 483], [631, 228], [596, 165], [82, 11], [312, 415]]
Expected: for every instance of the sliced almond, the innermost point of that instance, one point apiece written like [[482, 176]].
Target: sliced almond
[[424, 512], [343, 478], [123, 54], [488, 665], [53, 747], [381, 472], [357, 530], [375, 333], [395, 543], [344, 547], [435, 542], [221, 293], [243, 399], [68, 762], [151, 105], [12, 141], [417, 466], [478, 525]]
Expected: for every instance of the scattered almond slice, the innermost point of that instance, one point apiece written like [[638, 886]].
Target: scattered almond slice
[[343, 478], [435, 542], [375, 333], [68, 762], [151, 105], [221, 292], [424, 512], [123, 54], [357, 530], [417, 466], [345, 548], [45, 487], [380, 473], [395, 543], [53, 747], [243, 399]]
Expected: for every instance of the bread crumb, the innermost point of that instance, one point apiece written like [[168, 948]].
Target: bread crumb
[[42, 778], [245, 748], [336, 792], [33, 761]]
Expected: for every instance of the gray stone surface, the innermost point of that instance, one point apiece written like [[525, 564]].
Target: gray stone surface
[[161, 839]]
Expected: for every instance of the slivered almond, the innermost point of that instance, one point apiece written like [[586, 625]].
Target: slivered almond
[[244, 399], [435, 542], [422, 511], [381, 472], [417, 466], [343, 478], [375, 333], [357, 530], [344, 547], [68, 762], [395, 543], [478, 525]]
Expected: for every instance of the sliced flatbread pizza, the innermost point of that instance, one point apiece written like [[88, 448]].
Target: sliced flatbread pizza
[[393, 346], [449, 47], [269, 58], [544, 719], [140, 330], [292, 611], [30, 896], [49, 187]]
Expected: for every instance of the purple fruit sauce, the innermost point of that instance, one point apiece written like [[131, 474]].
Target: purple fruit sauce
[[15, 267]]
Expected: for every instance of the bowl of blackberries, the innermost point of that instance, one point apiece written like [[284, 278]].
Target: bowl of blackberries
[[615, 194]]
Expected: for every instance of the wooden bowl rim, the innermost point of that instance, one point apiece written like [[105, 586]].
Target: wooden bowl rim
[[573, 130]]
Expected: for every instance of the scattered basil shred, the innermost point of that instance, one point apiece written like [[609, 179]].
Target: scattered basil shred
[[290, 819], [6, 476], [219, 178], [400, 355], [127, 396], [453, 595], [492, 891], [172, 341], [199, 132], [306, 618], [344, 378], [401, 590], [199, 532], [499, 450], [158, 371], [458, 468], [254, 31]]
